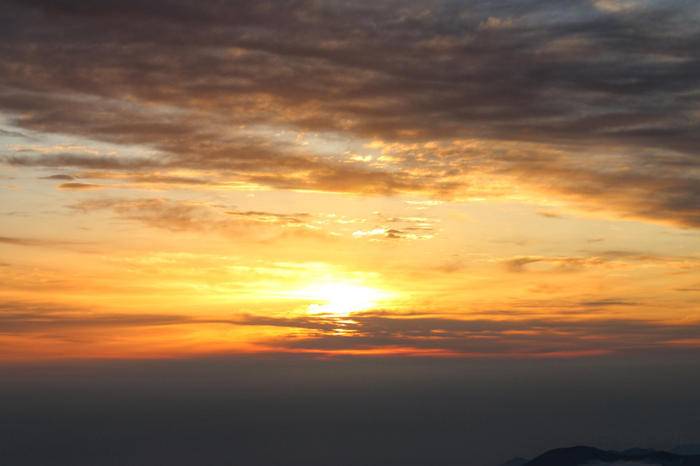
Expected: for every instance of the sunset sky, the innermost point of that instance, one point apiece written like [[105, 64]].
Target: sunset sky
[[412, 178], [347, 232]]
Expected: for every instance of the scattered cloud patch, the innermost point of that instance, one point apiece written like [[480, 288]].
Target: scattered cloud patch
[[80, 186]]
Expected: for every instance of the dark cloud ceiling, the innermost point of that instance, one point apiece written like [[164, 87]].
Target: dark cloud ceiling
[[594, 102]]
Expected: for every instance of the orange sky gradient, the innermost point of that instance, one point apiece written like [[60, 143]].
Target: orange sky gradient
[[439, 184]]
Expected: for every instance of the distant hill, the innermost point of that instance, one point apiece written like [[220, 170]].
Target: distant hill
[[687, 449], [516, 462], [589, 456]]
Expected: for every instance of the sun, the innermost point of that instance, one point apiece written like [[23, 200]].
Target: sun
[[341, 299]]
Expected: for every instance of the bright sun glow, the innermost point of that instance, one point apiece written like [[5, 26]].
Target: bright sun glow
[[341, 298]]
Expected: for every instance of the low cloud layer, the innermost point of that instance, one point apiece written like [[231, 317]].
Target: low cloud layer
[[374, 332], [489, 337]]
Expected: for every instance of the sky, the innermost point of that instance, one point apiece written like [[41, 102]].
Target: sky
[[392, 183]]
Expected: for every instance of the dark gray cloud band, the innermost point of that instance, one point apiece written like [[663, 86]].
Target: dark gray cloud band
[[383, 331], [600, 97]]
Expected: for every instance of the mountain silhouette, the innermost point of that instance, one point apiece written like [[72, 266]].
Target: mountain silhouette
[[583, 455], [687, 449]]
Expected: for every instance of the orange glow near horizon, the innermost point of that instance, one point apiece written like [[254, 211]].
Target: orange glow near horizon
[[123, 289]]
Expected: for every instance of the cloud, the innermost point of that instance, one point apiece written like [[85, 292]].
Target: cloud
[[592, 102], [547, 214], [389, 233], [383, 332], [608, 302], [20, 317], [611, 259], [188, 216], [551, 264], [158, 213], [691, 290], [184, 216], [78, 161], [411, 228], [270, 217], [481, 337], [493, 22], [40, 242], [617, 6], [142, 180], [12, 134], [58, 177], [80, 186]]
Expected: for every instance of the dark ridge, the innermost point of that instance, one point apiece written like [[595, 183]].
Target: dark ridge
[[516, 462], [582, 455], [687, 449]]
